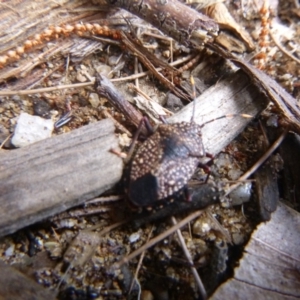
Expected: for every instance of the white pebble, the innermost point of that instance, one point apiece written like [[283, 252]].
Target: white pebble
[[134, 237], [241, 194], [94, 100], [10, 251], [31, 129]]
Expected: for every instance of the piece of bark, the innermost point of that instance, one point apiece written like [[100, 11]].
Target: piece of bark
[[267, 190], [172, 17], [270, 266], [222, 16], [15, 285], [55, 174], [266, 185], [233, 95], [289, 151], [105, 88]]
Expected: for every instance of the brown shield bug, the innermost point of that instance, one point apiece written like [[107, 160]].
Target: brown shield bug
[[162, 166]]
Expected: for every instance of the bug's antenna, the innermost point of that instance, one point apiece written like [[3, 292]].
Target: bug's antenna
[[194, 98], [228, 117]]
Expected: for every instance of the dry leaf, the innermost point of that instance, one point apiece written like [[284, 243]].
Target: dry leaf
[[221, 15]]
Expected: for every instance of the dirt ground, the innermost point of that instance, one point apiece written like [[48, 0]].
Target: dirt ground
[[66, 253]]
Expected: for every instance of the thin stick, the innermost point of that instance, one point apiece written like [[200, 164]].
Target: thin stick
[[105, 199], [190, 260], [108, 228], [142, 74], [157, 239], [136, 70], [11, 8], [258, 163], [286, 52], [48, 89], [6, 139], [140, 264], [85, 84]]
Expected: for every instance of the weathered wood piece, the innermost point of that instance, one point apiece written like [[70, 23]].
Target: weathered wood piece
[[105, 88], [173, 18], [233, 95], [270, 266], [266, 184], [55, 174], [289, 151], [15, 285]]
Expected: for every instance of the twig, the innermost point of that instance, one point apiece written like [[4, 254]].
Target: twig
[[258, 163], [105, 199], [85, 84], [5, 140], [48, 89], [108, 228], [157, 239], [106, 89], [11, 8], [149, 61], [142, 74], [287, 53], [190, 260], [140, 264], [162, 37], [102, 39]]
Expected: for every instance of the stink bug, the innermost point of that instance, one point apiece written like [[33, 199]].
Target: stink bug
[[162, 166]]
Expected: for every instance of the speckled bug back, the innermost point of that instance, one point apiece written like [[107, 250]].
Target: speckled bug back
[[164, 163]]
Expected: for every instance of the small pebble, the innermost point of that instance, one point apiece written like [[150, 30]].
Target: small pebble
[[103, 69], [241, 194], [174, 103], [10, 251], [134, 237], [94, 100], [238, 238], [31, 129], [112, 61], [80, 77], [202, 226], [41, 108]]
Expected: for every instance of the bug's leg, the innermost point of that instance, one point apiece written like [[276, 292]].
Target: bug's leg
[[148, 125], [206, 169], [211, 161], [144, 122], [163, 119], [118, 153]]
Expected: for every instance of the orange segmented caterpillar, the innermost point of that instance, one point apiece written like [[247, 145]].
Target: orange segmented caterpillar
[[264, 35], [54, 32]]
